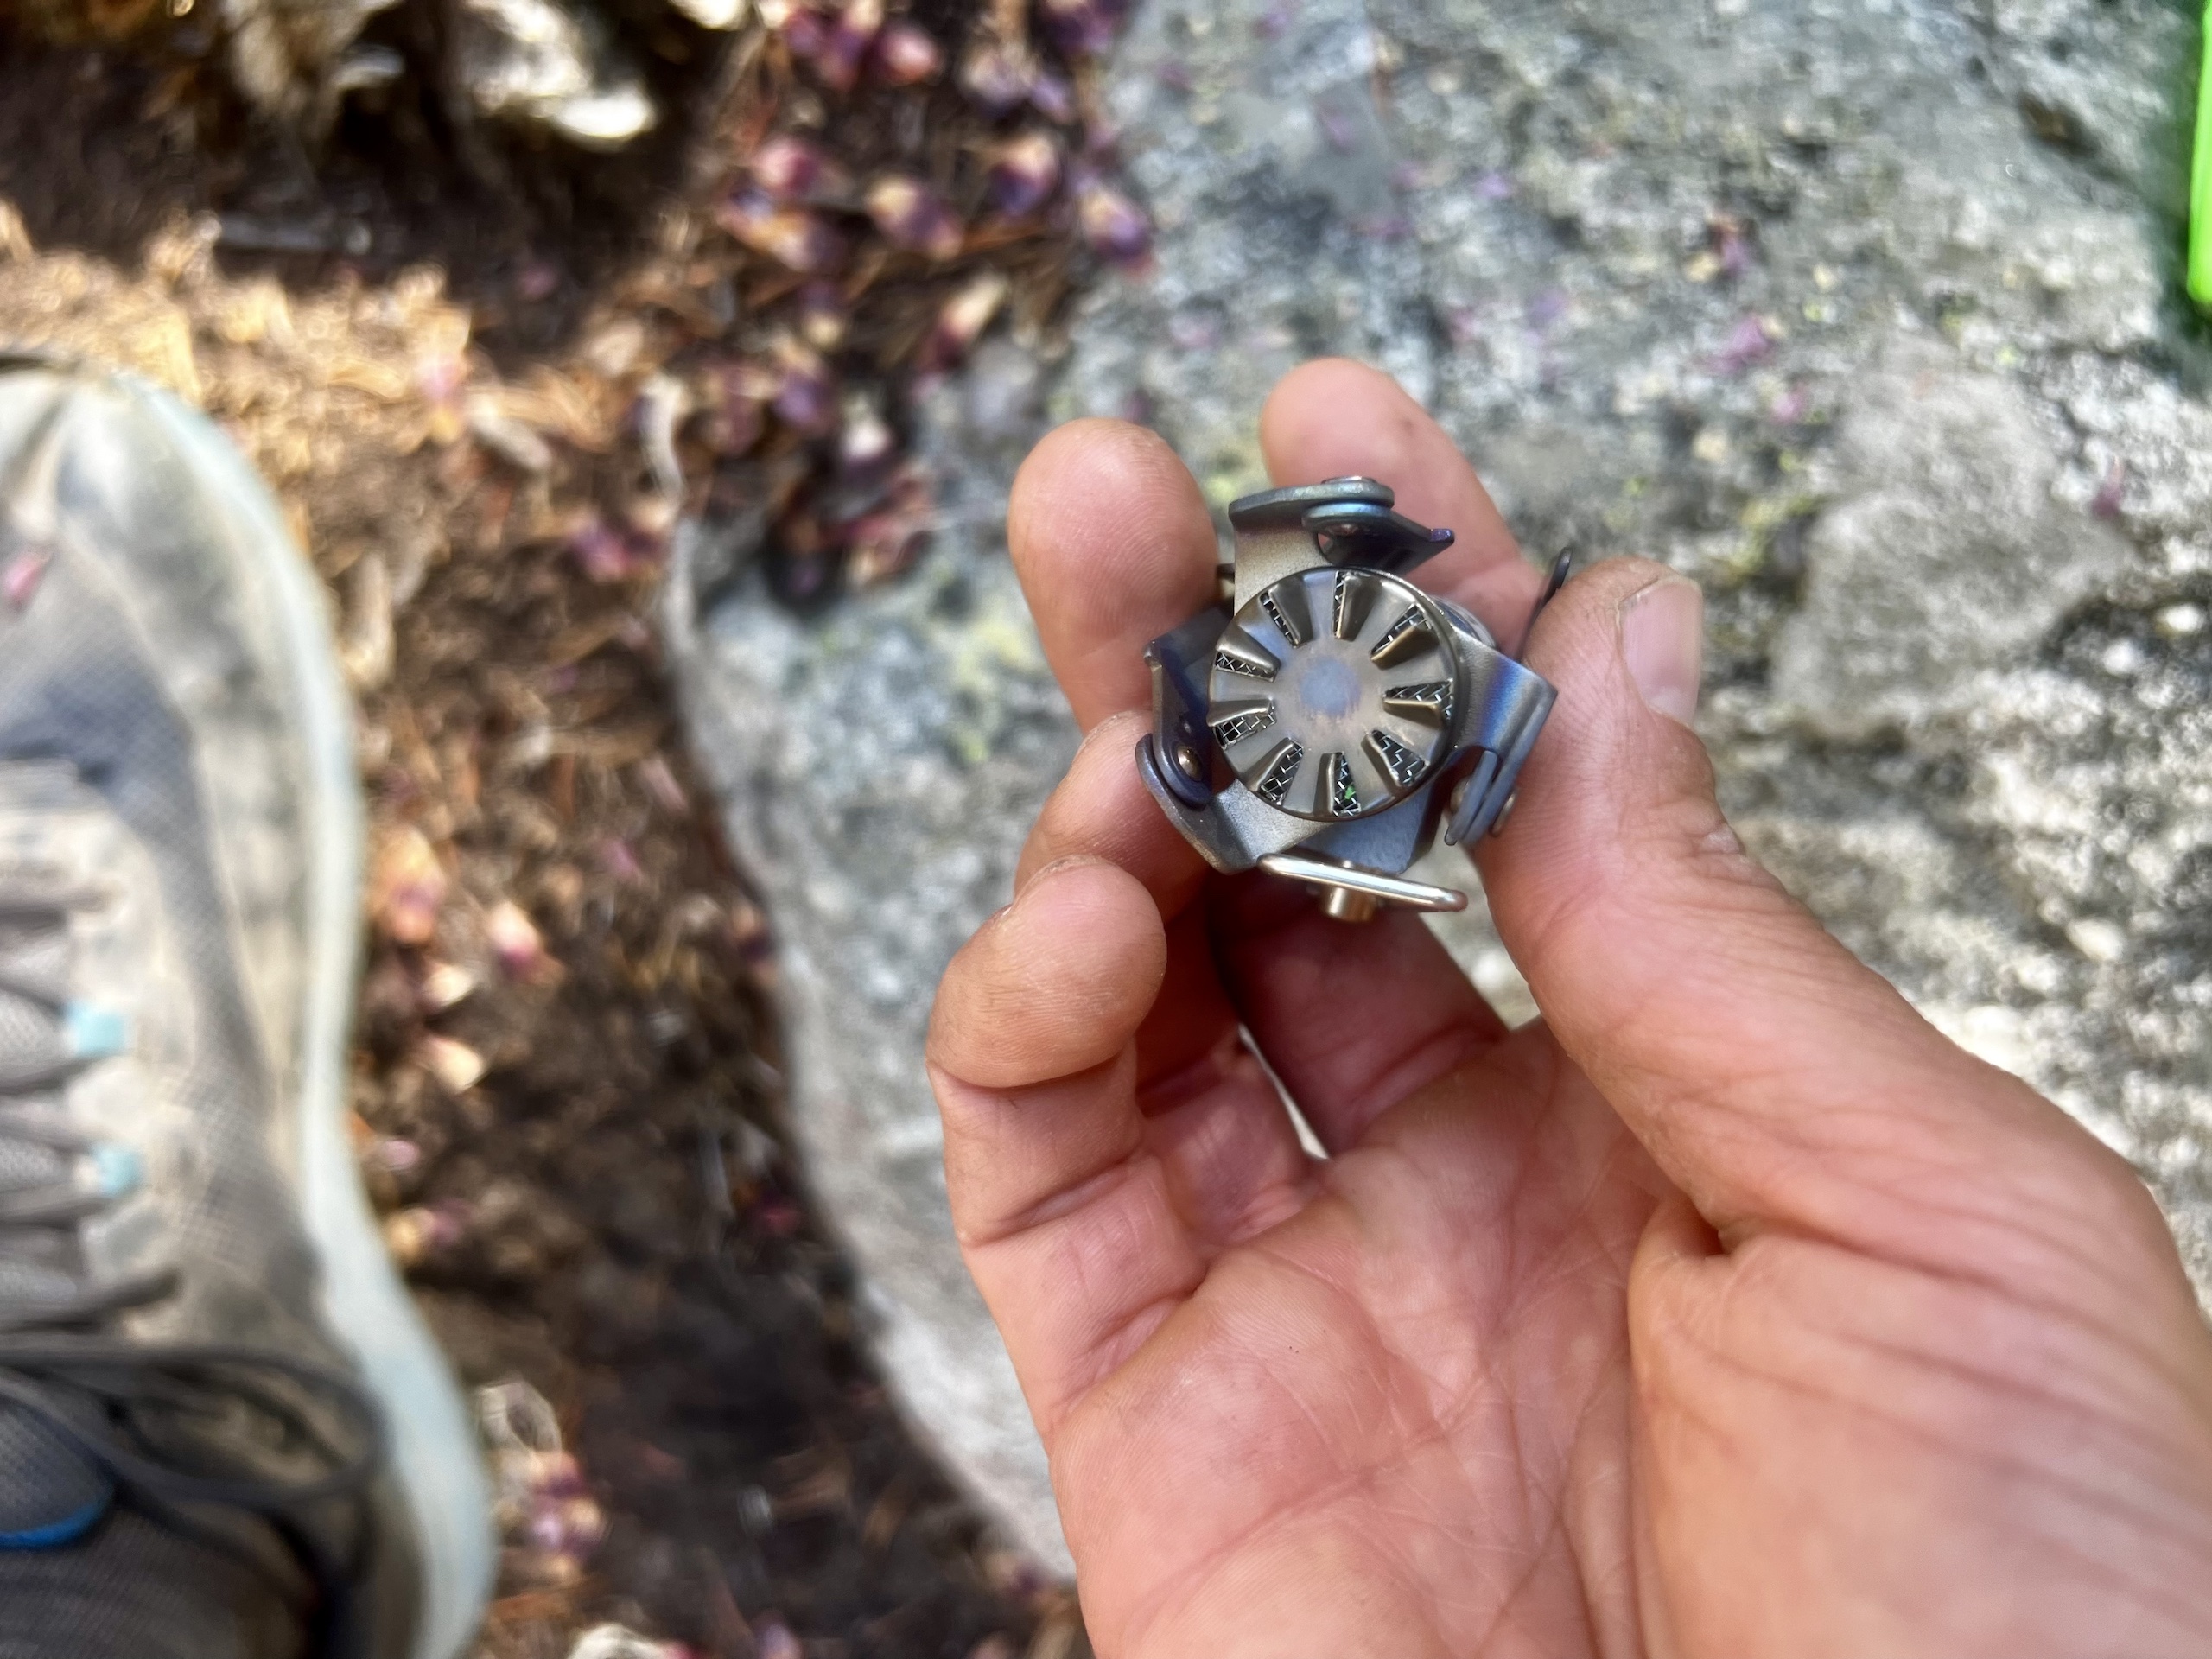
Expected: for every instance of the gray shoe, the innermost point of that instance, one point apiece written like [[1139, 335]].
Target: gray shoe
[[224, 1432]]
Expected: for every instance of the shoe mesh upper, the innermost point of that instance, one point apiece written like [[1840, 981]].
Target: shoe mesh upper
[[159, 1332]]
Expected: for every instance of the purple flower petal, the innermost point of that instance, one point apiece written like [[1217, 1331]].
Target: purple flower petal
[[961, 321], [1748, 342], [998, 76], [794, 237], [905, 55], [1024, 172], [1115, 227], [789, 169], [914, 218]]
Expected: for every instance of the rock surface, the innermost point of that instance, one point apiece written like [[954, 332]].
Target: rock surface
[[878, 766], [1866, 313]]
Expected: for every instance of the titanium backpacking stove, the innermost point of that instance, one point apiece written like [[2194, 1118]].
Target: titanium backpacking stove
[[1324, 727]]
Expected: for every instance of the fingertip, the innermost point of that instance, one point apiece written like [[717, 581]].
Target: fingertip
[[1334, 417], [1076, 450], [1296, 425], [1616, 798], [1056, 983], [1102, 810], [1578, 636], [1114, 545]]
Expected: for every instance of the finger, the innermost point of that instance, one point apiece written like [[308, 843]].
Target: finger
[[1069, 1228], [1114, 546], [1054, 984], [1102, 810], [1352, 1019], [1335, 418], [1774, 1078]]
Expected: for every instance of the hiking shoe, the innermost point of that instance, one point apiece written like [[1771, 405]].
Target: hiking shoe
[[224, 1432]]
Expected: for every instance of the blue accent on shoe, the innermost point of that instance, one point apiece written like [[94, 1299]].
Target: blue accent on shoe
[[93, 1033], [55, 1534], [117, 1169]]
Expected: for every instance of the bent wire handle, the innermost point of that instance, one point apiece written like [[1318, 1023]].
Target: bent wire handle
[[1561, 567], [1521, 701], [1395, 890]]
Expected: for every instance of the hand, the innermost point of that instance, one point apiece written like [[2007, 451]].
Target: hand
[[1729, 1310]]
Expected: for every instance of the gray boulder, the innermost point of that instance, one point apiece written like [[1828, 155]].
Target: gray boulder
[[1865, 315]]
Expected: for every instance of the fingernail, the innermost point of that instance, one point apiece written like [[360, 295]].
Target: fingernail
[[1663, 642]]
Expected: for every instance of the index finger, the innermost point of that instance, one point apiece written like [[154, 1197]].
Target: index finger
[[1332, 418], [1114, 546]]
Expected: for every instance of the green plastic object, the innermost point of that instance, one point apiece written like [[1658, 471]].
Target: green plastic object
[[2200, 182]]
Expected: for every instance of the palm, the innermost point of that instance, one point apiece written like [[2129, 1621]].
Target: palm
[[1419, 1380]]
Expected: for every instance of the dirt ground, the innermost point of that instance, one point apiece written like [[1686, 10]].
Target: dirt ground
[[566, 1088]]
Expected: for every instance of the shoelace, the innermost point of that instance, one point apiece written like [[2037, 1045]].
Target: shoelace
[[53, 1178], [133, 1409]]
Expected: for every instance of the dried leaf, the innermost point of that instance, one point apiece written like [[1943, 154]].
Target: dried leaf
[[408, 887], [457, 1067]]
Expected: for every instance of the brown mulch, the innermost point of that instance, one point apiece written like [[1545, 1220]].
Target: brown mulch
[[567, 1098]]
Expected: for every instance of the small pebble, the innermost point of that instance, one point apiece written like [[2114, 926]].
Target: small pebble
[[2123, 659], [2182, 620], [2098, 940]]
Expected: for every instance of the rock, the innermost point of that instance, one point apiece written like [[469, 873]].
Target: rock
[[1943, 554], [878, 766], [1867, 317]]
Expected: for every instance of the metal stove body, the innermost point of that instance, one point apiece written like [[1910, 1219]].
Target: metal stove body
[[1328, 716]]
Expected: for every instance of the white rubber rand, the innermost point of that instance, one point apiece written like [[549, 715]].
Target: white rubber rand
[[434, 1442]]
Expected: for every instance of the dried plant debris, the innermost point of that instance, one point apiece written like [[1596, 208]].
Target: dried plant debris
[[861, 193], [543, 61], [868, 223], [565, 1087]]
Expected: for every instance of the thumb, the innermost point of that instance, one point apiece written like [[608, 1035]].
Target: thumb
[[1774, 1078]]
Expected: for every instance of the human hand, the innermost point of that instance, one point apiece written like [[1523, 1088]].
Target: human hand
[[1729, 1310]]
